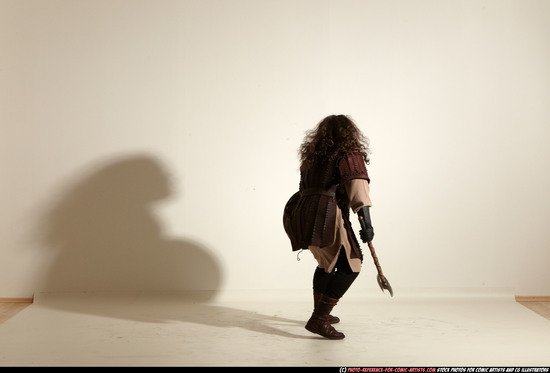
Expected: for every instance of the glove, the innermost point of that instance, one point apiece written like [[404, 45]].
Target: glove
[[366, 232]]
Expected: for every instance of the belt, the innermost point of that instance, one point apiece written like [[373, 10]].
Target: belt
[[319, 191]]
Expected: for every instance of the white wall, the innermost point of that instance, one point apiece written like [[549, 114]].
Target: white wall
[[152, 144]]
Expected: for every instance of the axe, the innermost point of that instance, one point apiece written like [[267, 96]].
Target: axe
[[382, 280]]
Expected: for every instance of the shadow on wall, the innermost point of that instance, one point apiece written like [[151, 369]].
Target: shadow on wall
[[108, 240]]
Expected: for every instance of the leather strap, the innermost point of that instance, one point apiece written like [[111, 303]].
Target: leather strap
[[311, 191]]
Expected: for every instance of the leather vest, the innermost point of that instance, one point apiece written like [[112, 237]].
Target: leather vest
[[310, 214]]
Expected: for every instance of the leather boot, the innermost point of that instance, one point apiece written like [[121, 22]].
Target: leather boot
[[316, 297], [319, 320]]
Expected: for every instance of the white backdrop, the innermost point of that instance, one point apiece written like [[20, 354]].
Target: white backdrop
[[153, 144]]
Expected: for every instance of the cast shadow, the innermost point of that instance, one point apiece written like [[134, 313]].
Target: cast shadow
[[170, 308], [107, 238], [109, 243]]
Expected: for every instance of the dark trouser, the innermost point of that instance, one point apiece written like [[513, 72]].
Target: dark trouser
[[336, 283]]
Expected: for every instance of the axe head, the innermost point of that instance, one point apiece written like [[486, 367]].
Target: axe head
[[384, 284]]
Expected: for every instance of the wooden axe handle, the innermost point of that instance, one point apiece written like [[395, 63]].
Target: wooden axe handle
[[375, 258]]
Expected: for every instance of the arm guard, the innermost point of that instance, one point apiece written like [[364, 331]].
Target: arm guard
[[366, 232]]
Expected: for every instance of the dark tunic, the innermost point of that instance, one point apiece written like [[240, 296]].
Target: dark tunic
[[317, 217]]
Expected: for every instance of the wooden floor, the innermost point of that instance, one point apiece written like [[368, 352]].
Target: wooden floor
[[540, 305], [10, 307]]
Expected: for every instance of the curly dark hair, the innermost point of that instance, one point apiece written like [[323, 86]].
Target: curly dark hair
[[335, 135]]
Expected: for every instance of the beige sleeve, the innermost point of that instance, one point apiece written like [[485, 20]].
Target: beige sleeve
[[358, 193]]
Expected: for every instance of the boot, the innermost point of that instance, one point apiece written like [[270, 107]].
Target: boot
[[319, 320], [316, 297]]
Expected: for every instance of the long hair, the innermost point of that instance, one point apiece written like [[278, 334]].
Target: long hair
[[333, 136]]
